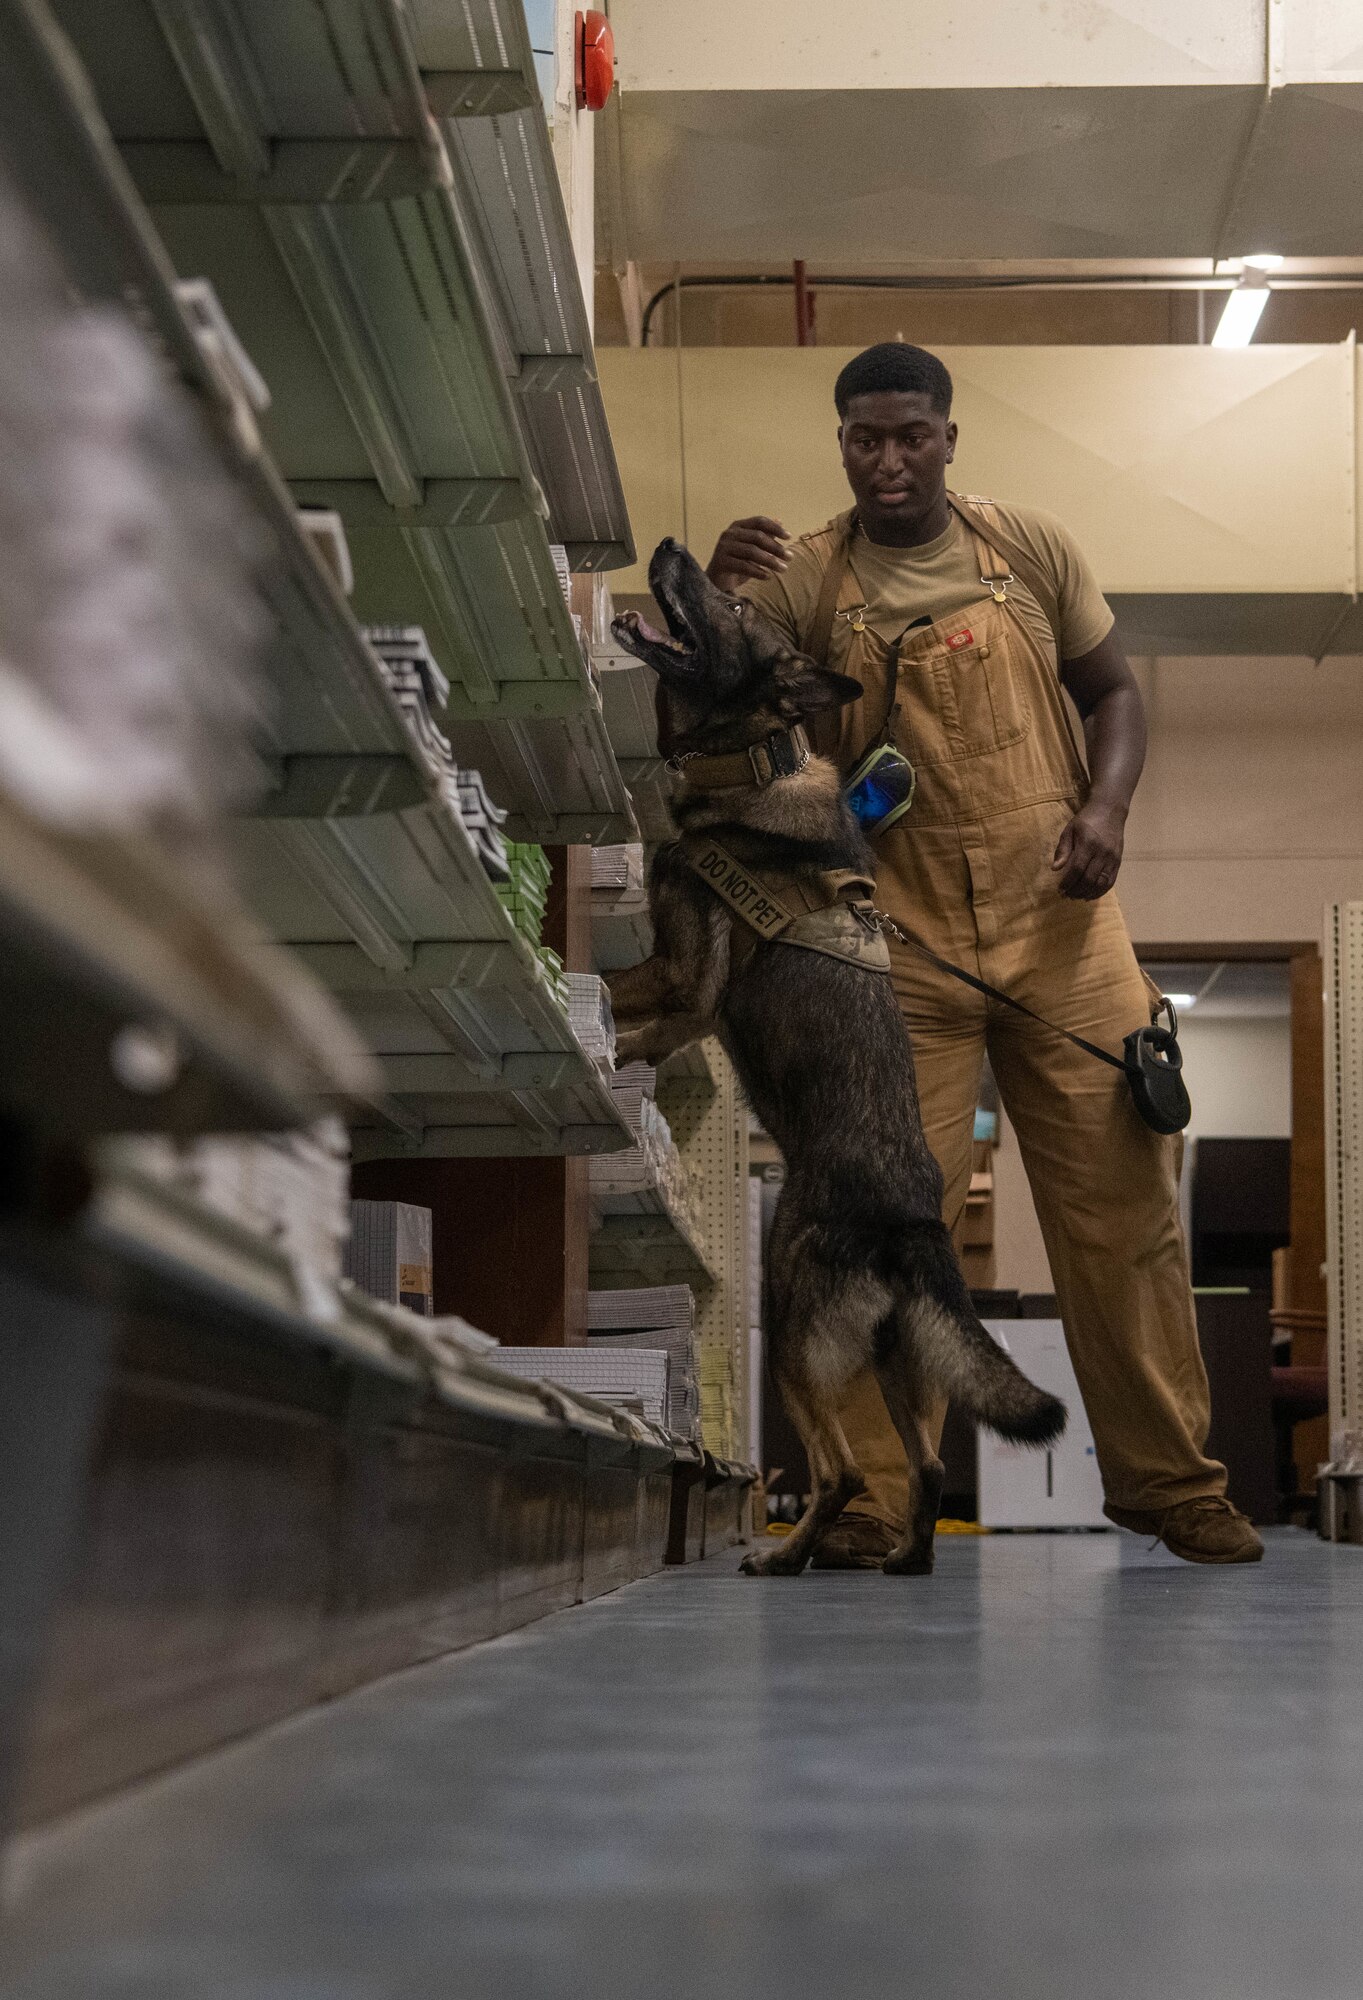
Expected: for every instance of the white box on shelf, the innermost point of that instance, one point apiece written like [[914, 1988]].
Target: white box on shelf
[[1059, 1488]]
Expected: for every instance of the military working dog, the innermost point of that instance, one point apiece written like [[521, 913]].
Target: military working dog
[[861, 1267]]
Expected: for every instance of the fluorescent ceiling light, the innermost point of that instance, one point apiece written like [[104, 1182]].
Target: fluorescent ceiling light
[[1264, 260], [1183, 1001], [1244, 308]]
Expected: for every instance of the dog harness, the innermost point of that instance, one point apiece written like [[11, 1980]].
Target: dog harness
[[828, 910]]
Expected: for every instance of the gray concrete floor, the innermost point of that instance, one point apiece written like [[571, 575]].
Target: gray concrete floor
[[1064, 1766]]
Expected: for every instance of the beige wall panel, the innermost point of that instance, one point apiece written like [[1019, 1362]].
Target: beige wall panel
[[1249, 817], [1322, 41], [1240, 1077], [1183, 469], [806, 45], [643, 410]]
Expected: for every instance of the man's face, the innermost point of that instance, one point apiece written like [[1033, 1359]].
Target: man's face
[[895, 451]]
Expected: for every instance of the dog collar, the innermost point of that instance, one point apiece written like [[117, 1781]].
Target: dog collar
[[780, 755]]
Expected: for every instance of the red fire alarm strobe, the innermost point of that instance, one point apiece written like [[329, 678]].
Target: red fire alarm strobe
[[594, 47]]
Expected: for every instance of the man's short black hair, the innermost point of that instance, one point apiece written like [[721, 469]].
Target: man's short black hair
[[898, 368]]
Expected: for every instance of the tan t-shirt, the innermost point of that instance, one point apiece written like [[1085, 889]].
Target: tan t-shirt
[[937, 580]]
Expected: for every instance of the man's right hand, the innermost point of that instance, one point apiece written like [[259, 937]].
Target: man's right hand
[[748, 552]]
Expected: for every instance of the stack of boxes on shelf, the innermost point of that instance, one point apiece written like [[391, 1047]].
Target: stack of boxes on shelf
[[649, 1175], [618, 874], [591, 1020], [523, 896], [389, 1254], [622, 932], [422, 691], [588, 599], [634, 1379], [483, 822], [655, 1317]]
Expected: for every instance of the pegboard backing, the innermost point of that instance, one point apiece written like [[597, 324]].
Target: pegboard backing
[[709, 1122], [1344, 1165]]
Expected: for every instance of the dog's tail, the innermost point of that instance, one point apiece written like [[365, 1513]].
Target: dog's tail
[[955, 1351]]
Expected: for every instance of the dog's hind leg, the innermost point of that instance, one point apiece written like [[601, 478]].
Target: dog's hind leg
[[914, 1413], [821, 1333]]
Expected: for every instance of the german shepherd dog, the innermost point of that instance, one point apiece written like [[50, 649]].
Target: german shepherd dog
[[861, 1267]]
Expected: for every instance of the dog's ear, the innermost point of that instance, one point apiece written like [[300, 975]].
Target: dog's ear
[[805, 689]]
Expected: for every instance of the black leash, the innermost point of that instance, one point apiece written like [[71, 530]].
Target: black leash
[[994, 993], [1152, 1061]]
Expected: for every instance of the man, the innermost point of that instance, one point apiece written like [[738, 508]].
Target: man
[[963, 620]]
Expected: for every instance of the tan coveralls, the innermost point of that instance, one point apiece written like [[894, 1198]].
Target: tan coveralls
[[968, 871]]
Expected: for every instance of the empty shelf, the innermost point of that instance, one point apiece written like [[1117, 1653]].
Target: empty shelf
[[655, 1245]]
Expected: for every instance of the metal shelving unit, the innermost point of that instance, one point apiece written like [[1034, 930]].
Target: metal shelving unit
[[101, 933], [479, 74], [651, 1245], [394, 913], [104, 938], [709, 1121], [565, 781], [289, 155], [353, 855]]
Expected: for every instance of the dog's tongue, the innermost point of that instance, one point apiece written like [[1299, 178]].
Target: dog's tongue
[[649, 632]]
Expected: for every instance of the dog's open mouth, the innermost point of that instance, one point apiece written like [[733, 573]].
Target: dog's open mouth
[[641, 638]]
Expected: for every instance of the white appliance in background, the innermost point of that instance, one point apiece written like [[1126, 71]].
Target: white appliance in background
[[1059, 1488]]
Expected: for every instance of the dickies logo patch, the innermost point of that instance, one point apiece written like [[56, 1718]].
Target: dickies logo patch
[[959, 639]]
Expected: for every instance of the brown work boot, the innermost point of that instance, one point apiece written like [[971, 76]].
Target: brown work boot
[[1208, 1530], [855, 1541]]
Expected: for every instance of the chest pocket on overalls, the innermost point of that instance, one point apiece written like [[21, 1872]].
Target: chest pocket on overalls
[[961, 693]]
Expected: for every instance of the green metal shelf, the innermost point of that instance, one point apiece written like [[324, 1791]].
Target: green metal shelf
[[99, 936], [103, 933], [289, 155], [653, 1245], [393, 912], [478, 70], [354, 854]]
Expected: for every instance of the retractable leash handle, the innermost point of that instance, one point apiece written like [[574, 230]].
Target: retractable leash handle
[[1151, 1059], [1154, 1070]]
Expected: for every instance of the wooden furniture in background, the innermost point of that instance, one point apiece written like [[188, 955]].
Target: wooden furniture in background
[[1241, 1210], [1236, 1341]]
